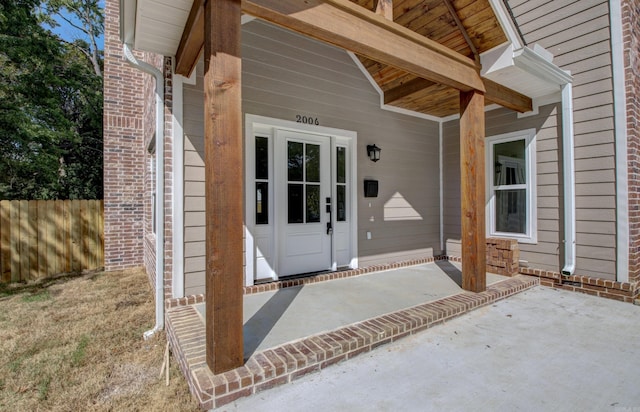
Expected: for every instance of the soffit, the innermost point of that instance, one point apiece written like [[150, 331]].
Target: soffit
[[159, 25]]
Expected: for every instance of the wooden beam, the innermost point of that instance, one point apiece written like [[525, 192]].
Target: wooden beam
[[223, 185], [384, 8], [496, 93], [354, 28], [407, 89], [463, 30], [474, 275], [506, 97], [192, 41]]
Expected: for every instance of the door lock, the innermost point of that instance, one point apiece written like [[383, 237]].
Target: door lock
[[328, 209]]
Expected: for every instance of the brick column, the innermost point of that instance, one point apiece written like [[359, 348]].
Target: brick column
[[124, 151], [503, 256], [168, 175], [631, 36]]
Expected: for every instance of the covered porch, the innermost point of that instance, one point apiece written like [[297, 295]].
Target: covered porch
[[423, 70], [292, 328], [425, 57]]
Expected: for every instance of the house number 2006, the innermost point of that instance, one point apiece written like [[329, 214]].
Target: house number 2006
[[307, 120]]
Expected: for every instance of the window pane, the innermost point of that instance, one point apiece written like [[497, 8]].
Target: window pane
[[262, 203], [295, 203], [313, 203], [509, 163], [342, 204], [342, 164], [262, 158], [313, 163], [294, 161], [511, 211]]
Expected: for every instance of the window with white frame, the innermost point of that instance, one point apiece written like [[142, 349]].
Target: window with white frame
[[151, 148], [511, 183]]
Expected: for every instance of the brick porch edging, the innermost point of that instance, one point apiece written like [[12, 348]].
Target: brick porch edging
[[610, 289], [287, 362]]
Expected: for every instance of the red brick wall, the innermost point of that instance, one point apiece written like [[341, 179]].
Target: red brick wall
[[149, 116], [168, 175], [631, 34], [124, 152], [148, 113], [164, 64], [130, 125]]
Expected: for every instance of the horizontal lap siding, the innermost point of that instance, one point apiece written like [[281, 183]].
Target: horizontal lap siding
[[546, 253], [451, 180], [285, 75], [194, 204], [578, 34]]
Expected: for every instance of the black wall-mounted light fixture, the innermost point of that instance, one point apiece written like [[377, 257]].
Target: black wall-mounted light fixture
[[373, 152]]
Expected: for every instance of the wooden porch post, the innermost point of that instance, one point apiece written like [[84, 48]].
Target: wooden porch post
[[472, 156], [223, 184]]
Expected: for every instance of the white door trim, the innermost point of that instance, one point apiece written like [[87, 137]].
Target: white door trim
[[260, 124]]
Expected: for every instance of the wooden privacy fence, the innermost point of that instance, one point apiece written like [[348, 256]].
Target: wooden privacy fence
[[42, 238]]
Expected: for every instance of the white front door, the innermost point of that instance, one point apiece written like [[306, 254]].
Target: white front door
[[293, 172], [303, 202]]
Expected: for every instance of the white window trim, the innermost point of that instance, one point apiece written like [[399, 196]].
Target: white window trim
[[151, 148], [529, 137]]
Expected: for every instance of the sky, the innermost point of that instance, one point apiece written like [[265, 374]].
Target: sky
[[69, 33]]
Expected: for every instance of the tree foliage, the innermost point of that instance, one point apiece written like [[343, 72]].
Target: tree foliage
[[86, 17], [50, 110]]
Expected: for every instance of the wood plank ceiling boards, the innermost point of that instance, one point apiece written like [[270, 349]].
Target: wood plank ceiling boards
[[444, 29]]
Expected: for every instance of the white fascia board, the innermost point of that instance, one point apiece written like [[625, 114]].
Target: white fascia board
[[498, 58], [128, 21], [506, 22], [539, 66]]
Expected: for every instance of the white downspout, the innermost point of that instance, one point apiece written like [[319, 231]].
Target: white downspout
[[147, 68], [620, 128], [441, 184], [569, 181]]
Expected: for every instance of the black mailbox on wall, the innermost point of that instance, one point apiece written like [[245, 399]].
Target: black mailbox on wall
[[370, 188]]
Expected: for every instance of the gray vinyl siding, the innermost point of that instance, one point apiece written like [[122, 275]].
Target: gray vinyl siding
[[578, 34], [546, 253], [285, 74], [194, 205]]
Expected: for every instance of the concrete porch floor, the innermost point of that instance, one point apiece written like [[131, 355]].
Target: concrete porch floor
[[277, 317], [296, 330]]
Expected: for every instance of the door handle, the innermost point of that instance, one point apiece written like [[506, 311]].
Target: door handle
[[328, 209]]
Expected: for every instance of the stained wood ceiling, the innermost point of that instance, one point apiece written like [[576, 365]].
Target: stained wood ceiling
[[469, 27]]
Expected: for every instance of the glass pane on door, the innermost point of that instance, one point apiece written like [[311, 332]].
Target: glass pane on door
[[312, 164], [295, 156], [262, 203], [341, 204], [341, 165], [313, 203], [303, 165], [295, 198], [262, 158]]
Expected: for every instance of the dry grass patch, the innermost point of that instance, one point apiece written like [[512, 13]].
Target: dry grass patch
[[76, 343]]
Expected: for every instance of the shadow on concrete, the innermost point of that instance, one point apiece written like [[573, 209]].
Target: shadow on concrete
[[258, 327], [453, 272]]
